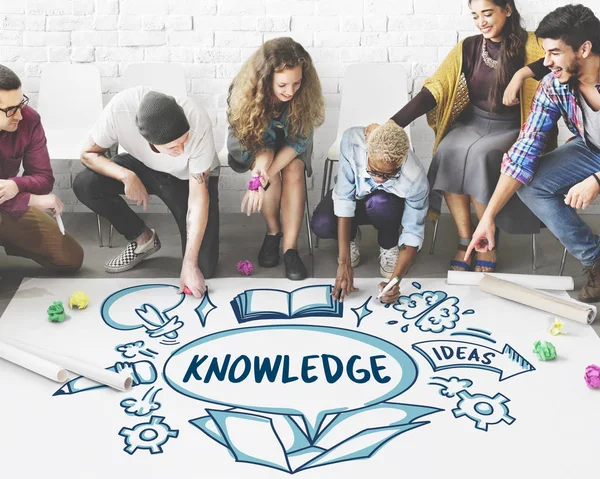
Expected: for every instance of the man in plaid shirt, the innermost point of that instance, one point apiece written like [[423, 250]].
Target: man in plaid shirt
[[555, 184]]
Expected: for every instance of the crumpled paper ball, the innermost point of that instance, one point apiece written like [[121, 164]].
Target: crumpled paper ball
[[592, 376], [254, 184], [245, 267], [545, 350], [78, 300], [56, 312]]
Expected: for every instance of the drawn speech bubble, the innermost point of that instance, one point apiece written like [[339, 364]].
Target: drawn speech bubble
[[297, 370]]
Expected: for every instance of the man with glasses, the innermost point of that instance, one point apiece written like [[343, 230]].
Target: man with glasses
[[26, 229], [170, 153], [380, 182]]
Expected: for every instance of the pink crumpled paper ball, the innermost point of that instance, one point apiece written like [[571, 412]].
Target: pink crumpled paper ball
[[592, 376], [245, 267]]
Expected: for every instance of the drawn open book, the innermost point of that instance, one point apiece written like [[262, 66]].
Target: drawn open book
[[308, 301]]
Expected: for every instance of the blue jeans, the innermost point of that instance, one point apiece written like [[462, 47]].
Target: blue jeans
[[555, 174]]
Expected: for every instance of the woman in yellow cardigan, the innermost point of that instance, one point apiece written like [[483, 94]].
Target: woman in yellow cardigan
[[473, 128]]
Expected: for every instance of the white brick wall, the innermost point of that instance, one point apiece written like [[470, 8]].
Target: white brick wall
[[211, 38]]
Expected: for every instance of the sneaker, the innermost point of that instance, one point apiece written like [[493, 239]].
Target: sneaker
[[294, 267], [354, 249], [132, 255], [590, 293], [268, 256], [387, 261]]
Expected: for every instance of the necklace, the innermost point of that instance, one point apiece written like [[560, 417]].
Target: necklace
[[486, 57]]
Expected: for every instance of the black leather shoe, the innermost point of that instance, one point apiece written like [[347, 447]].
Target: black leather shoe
[[268, 256], [294, 267]]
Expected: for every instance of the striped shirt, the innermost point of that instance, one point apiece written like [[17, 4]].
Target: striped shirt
[[551, 101]]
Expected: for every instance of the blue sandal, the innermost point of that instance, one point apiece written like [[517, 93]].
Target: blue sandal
[[462, 246]]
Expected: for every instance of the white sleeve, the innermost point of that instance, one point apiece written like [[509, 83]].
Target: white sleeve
[[104, 132], [203, 149]]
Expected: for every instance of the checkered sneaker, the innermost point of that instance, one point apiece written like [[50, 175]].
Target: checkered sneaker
[[132, 255]]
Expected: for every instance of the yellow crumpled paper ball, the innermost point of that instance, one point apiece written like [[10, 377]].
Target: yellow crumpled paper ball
[[79, 300]]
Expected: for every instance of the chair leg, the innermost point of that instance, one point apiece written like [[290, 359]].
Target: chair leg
[[562, 263], [435, 230], [533, 253], [326, 168], [99, 231], [110, 236], [307, 215]]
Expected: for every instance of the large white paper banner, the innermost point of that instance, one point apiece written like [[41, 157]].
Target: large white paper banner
[[267, 379]]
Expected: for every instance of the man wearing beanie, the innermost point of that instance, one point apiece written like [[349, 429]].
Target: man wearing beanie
[[167, 150]]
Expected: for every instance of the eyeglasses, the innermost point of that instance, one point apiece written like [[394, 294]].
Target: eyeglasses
[[384, 176], [12, 110]]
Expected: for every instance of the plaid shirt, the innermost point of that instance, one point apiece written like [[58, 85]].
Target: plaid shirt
[[552, 100]]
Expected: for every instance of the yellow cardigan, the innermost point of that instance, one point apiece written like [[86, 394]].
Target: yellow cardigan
[[449, 88]]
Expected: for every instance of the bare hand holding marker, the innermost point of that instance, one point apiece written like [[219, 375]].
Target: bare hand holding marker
[[389, 292]]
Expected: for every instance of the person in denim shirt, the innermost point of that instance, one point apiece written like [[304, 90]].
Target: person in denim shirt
[[380, 182], [554, 185], [274, 105]]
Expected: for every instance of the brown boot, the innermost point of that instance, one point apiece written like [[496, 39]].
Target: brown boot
[[590, 293]]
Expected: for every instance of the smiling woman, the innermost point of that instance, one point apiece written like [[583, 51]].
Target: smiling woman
[[463, 101], [274, 105]]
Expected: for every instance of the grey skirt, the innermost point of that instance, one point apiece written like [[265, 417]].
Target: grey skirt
[[468, 161], [241, 161]]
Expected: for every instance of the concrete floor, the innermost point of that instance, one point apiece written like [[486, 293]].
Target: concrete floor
[[242, 236]]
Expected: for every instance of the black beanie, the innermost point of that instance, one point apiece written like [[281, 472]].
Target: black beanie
[[160, 119]]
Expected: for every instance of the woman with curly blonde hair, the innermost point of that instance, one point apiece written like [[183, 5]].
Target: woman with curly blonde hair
[[274, 105]]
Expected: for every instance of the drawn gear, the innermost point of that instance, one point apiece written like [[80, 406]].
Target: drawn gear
[[483, 410], [150, 435]]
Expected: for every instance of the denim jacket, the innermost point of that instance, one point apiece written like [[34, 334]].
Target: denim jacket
[[354, 183], [240, 159]]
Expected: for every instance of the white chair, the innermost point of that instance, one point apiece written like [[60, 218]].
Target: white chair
[[223, 160], [168, 78], [371, 93], [70, 102]]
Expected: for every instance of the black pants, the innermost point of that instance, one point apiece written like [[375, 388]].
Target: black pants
[[102, 195]]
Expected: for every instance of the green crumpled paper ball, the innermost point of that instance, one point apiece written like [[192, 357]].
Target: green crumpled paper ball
[[545, 350], [56, 312]]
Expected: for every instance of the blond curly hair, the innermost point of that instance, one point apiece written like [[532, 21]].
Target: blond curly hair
[[251, 100], [388, 144]]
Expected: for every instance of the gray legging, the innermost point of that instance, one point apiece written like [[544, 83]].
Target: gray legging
[[102, 195]]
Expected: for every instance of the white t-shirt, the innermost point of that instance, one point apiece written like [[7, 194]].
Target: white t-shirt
[[117, 125]]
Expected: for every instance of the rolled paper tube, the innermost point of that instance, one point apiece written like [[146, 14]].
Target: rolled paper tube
[[120, 381], [566, 308], [471, 278], [33, 363]]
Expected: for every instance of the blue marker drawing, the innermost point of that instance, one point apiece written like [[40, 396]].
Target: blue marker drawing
[[131, 350], [150, 436], [469, 311], [392, 322], [362, 312], [416, 285], [142, 372], [158, 323], [308, 301], [434, 311], [450, 387], [483, 410], [205, 308], [142, 407], [473, 335], [449, 354], [349, 435], [404, 328]]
